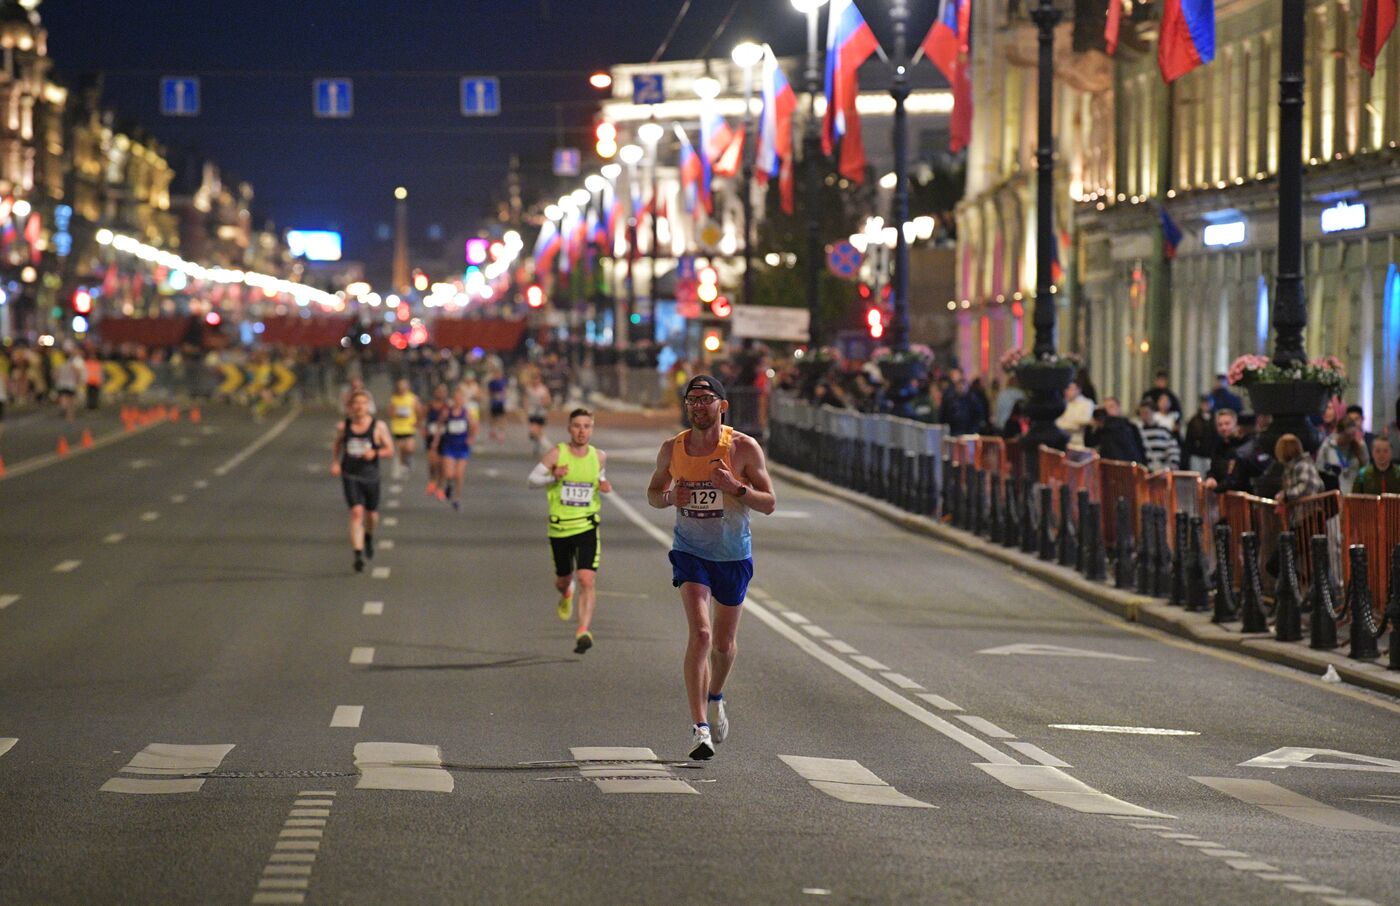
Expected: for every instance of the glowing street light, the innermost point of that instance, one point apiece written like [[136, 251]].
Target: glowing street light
[[808, 6], [595, 183], [650, 132], [400, 193], [580, 197], [553, 212], [600, 80], [706, 87], [747, 54], [631, 154]]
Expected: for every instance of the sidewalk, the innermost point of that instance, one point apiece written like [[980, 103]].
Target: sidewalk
[[1130, 606]]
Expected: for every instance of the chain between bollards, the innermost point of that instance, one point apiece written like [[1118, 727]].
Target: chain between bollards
[[1364, 631], [1225, 608], [1322, 629]]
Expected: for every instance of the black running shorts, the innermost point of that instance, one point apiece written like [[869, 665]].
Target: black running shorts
[[361, 492], [581, 551]]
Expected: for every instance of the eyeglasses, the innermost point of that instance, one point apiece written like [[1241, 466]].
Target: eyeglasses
[[700, 401]]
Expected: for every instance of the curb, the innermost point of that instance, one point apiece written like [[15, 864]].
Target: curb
[[1130, 606]]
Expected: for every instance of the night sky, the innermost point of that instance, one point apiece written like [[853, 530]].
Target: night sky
[[256, 60]]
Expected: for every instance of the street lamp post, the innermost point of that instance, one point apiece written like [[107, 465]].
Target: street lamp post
[[899, 90], [747, 55], [630, 155], [650, 133], [811, 156], [1045, 385], [1290, 309]]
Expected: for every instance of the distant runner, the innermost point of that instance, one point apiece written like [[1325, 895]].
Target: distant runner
[[496, 388], [537, 403], [404, 411], [575, 473], [713, 476], [455, 445], [433, 419], [361, 441]]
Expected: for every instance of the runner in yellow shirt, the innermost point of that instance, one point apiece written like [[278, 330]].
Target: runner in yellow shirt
[[405, 410]]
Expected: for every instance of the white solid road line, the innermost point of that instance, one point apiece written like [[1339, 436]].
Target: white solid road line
[[7, 600], [628, 770], [380, 572], [1288, 804], [985, 726], [373, 608], [362, 655], [347, 715], [939, 702], [48, 459], [175, 762], [1037, 754], [7, 743], [401, 766], [1130, 731], [258, 444], [1028, 648], [114, 538], [1041, 781], [67, 566], [849, 781]]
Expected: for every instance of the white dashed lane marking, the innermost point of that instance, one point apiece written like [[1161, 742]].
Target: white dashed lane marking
[[7, 600], [178, 498], [392, 505], [982, 725], [347, 715], [362, 655], [175, 762], [1130, 731], [380, 572], [628, 769], [815, 632], [841, 647], [869, 663], [939, 702], [849, 781], [67, 566], [151, 516], [386, 545], [373, 608], [114, 538], [401, 766], [1288, 804], [7, 743], [901, 681], [1038, 755], [793, 616], [201, 484], [391, 521]]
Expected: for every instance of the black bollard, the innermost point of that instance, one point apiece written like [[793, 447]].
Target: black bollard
[[1392, 609], [994, 508], [1322, 628], [1066, 551], [1225, 610], [1123, 543], [1197, 584], [1364, 631], [1252, 618], [1181, 537], [978, 518], [1046, 536], [1030, 527], [1162, 571], [951, 478], [1096, 568], [1081, 554], [1146, 549], [1288, 599]]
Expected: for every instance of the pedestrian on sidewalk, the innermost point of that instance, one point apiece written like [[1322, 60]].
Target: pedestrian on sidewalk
[[713, 476], [1382, 476]]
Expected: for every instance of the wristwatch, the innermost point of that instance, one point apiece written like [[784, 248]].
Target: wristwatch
[[743, 489]]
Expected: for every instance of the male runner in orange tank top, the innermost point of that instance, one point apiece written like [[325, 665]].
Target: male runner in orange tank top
[[713, 476]]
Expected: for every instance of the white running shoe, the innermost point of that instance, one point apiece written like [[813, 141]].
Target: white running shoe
[[701, 747], [720, 724]]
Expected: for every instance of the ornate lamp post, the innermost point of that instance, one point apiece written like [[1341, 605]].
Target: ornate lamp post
[[650, 133], [811, 162], [631, 155], [747, 55], [899, 90]]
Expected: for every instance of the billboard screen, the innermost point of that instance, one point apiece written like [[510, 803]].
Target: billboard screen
[[314, 245]]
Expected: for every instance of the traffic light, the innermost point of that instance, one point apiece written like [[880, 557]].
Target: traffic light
[[605, 139], [534, 295], [876, 322], [864, 291], [82, 302], [721, 308], [708, 290], [712, 341]]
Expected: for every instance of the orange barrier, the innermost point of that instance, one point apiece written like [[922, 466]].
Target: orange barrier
[[1121, 481], [1308, 516], [1374, 522]]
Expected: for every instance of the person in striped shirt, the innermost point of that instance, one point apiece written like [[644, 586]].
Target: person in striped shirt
[[1163, 450]]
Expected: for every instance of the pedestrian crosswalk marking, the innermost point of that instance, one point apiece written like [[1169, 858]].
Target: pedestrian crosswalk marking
[[373, 608], [401, 766], [67, 566], [387, 545], [114, 538], [849, 781], [380, 572], [627, 769], [362, 655], [174, 762], [7, 600]]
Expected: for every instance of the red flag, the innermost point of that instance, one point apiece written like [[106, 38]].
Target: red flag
[[1110, 31], [1377, 22], [728, 162]]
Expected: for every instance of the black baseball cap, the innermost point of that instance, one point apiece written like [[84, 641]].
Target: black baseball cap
[[706, 382]]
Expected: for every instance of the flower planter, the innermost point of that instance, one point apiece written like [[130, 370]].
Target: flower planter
[[1287, 397], [1051, 379]]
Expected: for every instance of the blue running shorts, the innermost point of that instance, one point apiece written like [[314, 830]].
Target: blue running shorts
[[727, 580]]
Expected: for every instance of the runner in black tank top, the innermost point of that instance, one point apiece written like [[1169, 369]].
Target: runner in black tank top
[[360, 442]]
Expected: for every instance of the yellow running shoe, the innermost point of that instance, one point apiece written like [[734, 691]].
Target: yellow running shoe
[[565, 608]]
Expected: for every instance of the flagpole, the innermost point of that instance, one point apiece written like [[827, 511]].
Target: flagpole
[[748, 55], [811, 157], [899, 90], [1290, 309]]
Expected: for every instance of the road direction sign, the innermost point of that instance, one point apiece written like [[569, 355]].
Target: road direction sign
[[481, 96], [567, 161], [333, 98], [843, 260], [179, 96], [649, 88]]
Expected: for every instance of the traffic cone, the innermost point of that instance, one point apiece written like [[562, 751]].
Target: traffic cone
[[174, 413], [195, 416], [87, 438], [2, 467], [62, 445]]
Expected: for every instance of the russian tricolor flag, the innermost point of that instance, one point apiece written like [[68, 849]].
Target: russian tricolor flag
[[546, 247], [695, 176], [773, 156], [1188, 37], [1171, 233], [946, 46], [849, 43]]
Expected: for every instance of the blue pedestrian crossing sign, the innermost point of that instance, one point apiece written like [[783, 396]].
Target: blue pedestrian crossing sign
[[333, 98], [179, 96], [567, 161], [481, 96], [649, 88]]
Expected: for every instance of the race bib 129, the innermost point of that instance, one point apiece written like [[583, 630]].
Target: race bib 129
[[706, 501]]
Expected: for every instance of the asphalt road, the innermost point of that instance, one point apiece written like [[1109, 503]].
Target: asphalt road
[[189, 586]]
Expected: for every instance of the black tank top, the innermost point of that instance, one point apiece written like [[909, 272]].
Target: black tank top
[[357, 444]]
